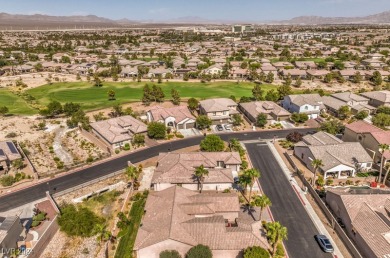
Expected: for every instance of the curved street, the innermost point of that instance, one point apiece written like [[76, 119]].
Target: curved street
[[69, 180]]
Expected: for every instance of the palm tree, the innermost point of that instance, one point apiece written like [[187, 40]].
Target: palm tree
[[252, 174], [200, 173], [132, 174], [316, 163], [244, 181], [382, 148], [261, 201], [387, 165], [275, 234], [102, 232]]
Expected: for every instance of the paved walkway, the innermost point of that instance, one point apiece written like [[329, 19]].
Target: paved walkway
[[302, 196]]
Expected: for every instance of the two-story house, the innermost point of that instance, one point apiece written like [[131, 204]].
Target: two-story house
[[311, 104], [218, 110], [378, 98]]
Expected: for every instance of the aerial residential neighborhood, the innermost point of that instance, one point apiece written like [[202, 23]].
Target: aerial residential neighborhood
[[172, 130]]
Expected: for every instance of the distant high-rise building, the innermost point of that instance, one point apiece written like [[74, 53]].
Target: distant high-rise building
[[240, 28]]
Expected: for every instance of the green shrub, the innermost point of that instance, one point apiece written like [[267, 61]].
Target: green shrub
[[126, 147], [7, 180], [170, 254], [280, 250], [256, 252], [117, 151], [329, 181], [35, 223], [199, 251]]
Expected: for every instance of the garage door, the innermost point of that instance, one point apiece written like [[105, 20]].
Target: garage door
[[190, 125], [180, 126]]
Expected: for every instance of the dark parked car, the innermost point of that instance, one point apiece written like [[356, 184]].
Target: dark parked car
[[219, 127], [324, 243]]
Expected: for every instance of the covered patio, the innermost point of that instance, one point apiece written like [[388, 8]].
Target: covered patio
[[340, 172]]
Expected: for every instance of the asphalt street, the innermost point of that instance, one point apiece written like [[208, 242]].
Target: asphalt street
[[67, 181], [286, 206]]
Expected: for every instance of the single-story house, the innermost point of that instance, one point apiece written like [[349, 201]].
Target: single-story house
[[8, 153], [116, 132], [273, 111], [179, 169], [178, 117], [338, 159]]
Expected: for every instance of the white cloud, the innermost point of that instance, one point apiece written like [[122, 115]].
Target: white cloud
[[80, 13]]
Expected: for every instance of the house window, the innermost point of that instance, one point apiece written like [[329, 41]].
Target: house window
[[360, 137], [220, 164], [214, 113], [306, 107], [302, 156]]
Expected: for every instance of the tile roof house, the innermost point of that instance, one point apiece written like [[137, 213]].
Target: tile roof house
[[179, 168], [178, 219], [369, 136], [273, 111], [356, 102], [116, 132], [311, 104], [365, 214], [218, 110], [11, 231], [178, 117], [336, 155], [8, 153], [378, 98]]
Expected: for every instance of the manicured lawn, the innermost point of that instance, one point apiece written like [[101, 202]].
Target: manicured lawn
[[15, 104], [91, 97]]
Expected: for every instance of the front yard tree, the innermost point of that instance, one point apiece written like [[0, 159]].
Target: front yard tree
[[294, 137], [316, 164], [272, 95], [276, 233], [175, 97], [170, 254], [157, 130], [298, 82], [199, 251], [361, 115], [357, 78], [284, 90], [257, 92], [270, 78], [261, 120], [288, 80], [382, 149], [193, 103], [203, 122], [261, 201], [111, 95], [381, 120], [343, 112], [117, 110], [200, 174], [212, 143], [256, 252], [299, 117], [377, 78], [3, 110], [237, 120], [333, 127]]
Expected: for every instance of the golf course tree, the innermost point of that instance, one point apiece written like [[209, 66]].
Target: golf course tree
[[157, 130], [276, 233], [97, 82], [261, 120], [79, 118], [52, 109], [4, 110], [212, 143], [70, 108], [284, 90], [256, 252], [199, 251], [192, 103], [175, 97], [200, 173], [117, 110], [170, 254], [257, 92], [152, 94], [203, 122], [111, 95]]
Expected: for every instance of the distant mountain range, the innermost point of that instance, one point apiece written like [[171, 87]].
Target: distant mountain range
[[39, 20]]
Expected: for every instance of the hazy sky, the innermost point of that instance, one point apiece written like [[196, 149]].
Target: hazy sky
[[256, 10]]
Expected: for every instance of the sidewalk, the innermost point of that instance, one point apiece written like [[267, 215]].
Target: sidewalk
[[302, 196]]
